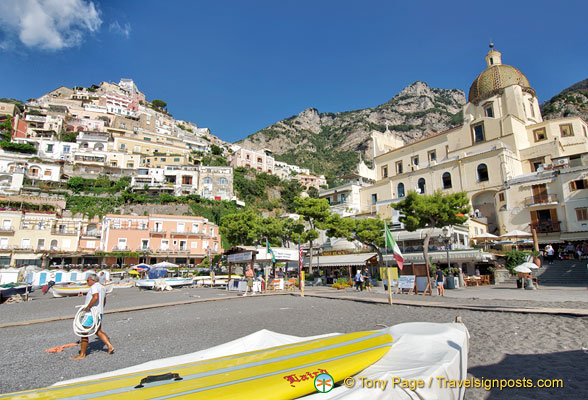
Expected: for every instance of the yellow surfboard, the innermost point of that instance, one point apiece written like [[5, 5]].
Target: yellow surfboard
[[283, 372]]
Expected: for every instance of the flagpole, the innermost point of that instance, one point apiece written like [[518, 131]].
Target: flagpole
[[387, 268]]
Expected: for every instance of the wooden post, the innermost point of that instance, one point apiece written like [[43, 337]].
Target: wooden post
[[302, 283], [535, 239], [389, 271]]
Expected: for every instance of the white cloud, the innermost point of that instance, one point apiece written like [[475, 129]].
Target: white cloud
[[48, 24], [121, 30]]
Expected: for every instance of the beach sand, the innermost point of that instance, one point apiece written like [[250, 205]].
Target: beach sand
[[502, 345]]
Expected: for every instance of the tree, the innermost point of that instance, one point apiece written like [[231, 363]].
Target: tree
[[315, 212], [289, 192], [241, 228], [216, 150], [313, 192], [160, 104], [432, 211], [369, 232]]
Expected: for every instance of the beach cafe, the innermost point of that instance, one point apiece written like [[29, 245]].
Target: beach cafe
[[243, 256], [331, 267]]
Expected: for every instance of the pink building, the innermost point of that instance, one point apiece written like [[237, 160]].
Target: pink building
[[178, 239], [262, 161]]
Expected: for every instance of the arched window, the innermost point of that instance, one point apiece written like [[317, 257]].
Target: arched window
[[401, 189], [446, 180], [482, 173], [53, 244], [207, 180], [421, 185], [98, 146], [222, 181]]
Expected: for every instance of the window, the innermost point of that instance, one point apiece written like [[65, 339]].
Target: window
[[422, 185], [584, 129], [400, 189], [26, 243], [122, 243], [536, 163], [41, 226], [41, 244], [144, 244], [540, 134], [488, 110], [211, 231], [222, 181], [194, 245], [399, 167], [501, 196], [207, 181], [415, 160], [180, 227], [566, 130], [123, 146], [47, 173], [482, 173], [6, 225], [158, 226], [66, 149], [53, 245], [385, 171], [432, 155], [215, 246], [49, 148], [164, 244], [176, 160], [374, 198], [582, 214], [578, 184], [532, 108], [478, 133], [194, 228], [205, 244], [446, 180], [183, 245]]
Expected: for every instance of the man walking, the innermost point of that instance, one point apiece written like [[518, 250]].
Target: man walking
[[249, 277], [96, 296]]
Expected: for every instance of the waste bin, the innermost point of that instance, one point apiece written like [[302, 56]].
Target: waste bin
[[450, 283]]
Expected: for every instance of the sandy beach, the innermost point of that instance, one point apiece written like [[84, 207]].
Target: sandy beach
[[503, 345]]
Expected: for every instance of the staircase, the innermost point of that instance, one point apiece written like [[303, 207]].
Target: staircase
[[563, 273]]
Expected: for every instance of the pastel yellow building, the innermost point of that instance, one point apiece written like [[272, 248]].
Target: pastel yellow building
[[502, 139]]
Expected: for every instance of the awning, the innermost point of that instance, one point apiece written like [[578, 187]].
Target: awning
[[346, 260], [441, 256], [26, 256], [574, 236]]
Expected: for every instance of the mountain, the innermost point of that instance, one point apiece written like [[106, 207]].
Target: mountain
[[572, 101], [330, 143]]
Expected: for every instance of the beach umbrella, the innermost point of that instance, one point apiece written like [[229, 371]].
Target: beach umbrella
[[486, 236], [528, 265], [522, 269], [516, 234], [164, 264]]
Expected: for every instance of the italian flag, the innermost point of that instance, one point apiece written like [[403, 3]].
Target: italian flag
[[391, 244]]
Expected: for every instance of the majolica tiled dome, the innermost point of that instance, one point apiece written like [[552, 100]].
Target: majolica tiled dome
[[497, 76]]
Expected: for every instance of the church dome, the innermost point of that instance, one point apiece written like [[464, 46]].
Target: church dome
[[496, 77]]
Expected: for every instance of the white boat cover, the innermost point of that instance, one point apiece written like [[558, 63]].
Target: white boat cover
[[421, 350]]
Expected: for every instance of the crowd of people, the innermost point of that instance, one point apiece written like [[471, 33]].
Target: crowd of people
[[567, 252]]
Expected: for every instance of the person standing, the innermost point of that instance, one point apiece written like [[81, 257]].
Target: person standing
[[440, 281], [212, 277], [550, 253], [358, 281], [367, 280], [96, 297], [249, 277]]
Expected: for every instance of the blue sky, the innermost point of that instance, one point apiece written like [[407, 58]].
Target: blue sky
[[238, 66]]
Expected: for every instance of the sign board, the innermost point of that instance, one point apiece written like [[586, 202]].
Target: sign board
[[239, 257], [406, 281]]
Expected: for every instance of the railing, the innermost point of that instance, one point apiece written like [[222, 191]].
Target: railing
[[120, 248], [6, 229], [69, 232], [22, 247], [145, 249], [546, 226], [168, 250], [91, 235], [157, 232], [540, 199]]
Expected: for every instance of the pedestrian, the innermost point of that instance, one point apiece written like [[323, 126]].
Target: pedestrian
[[249, 277], [440, 281], [358, 281], [550, 253], [367, 280], [96, 297], [212, 277]]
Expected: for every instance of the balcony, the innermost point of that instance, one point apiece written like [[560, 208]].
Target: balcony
[[67, 232], [6, 230], [157, 232], [142, 249], [172, 251], [546, 226], [91, 235], [120, 248], [541, 199]]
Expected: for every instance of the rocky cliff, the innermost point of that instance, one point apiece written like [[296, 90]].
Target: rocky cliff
[[330, 143], [572, 101]]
